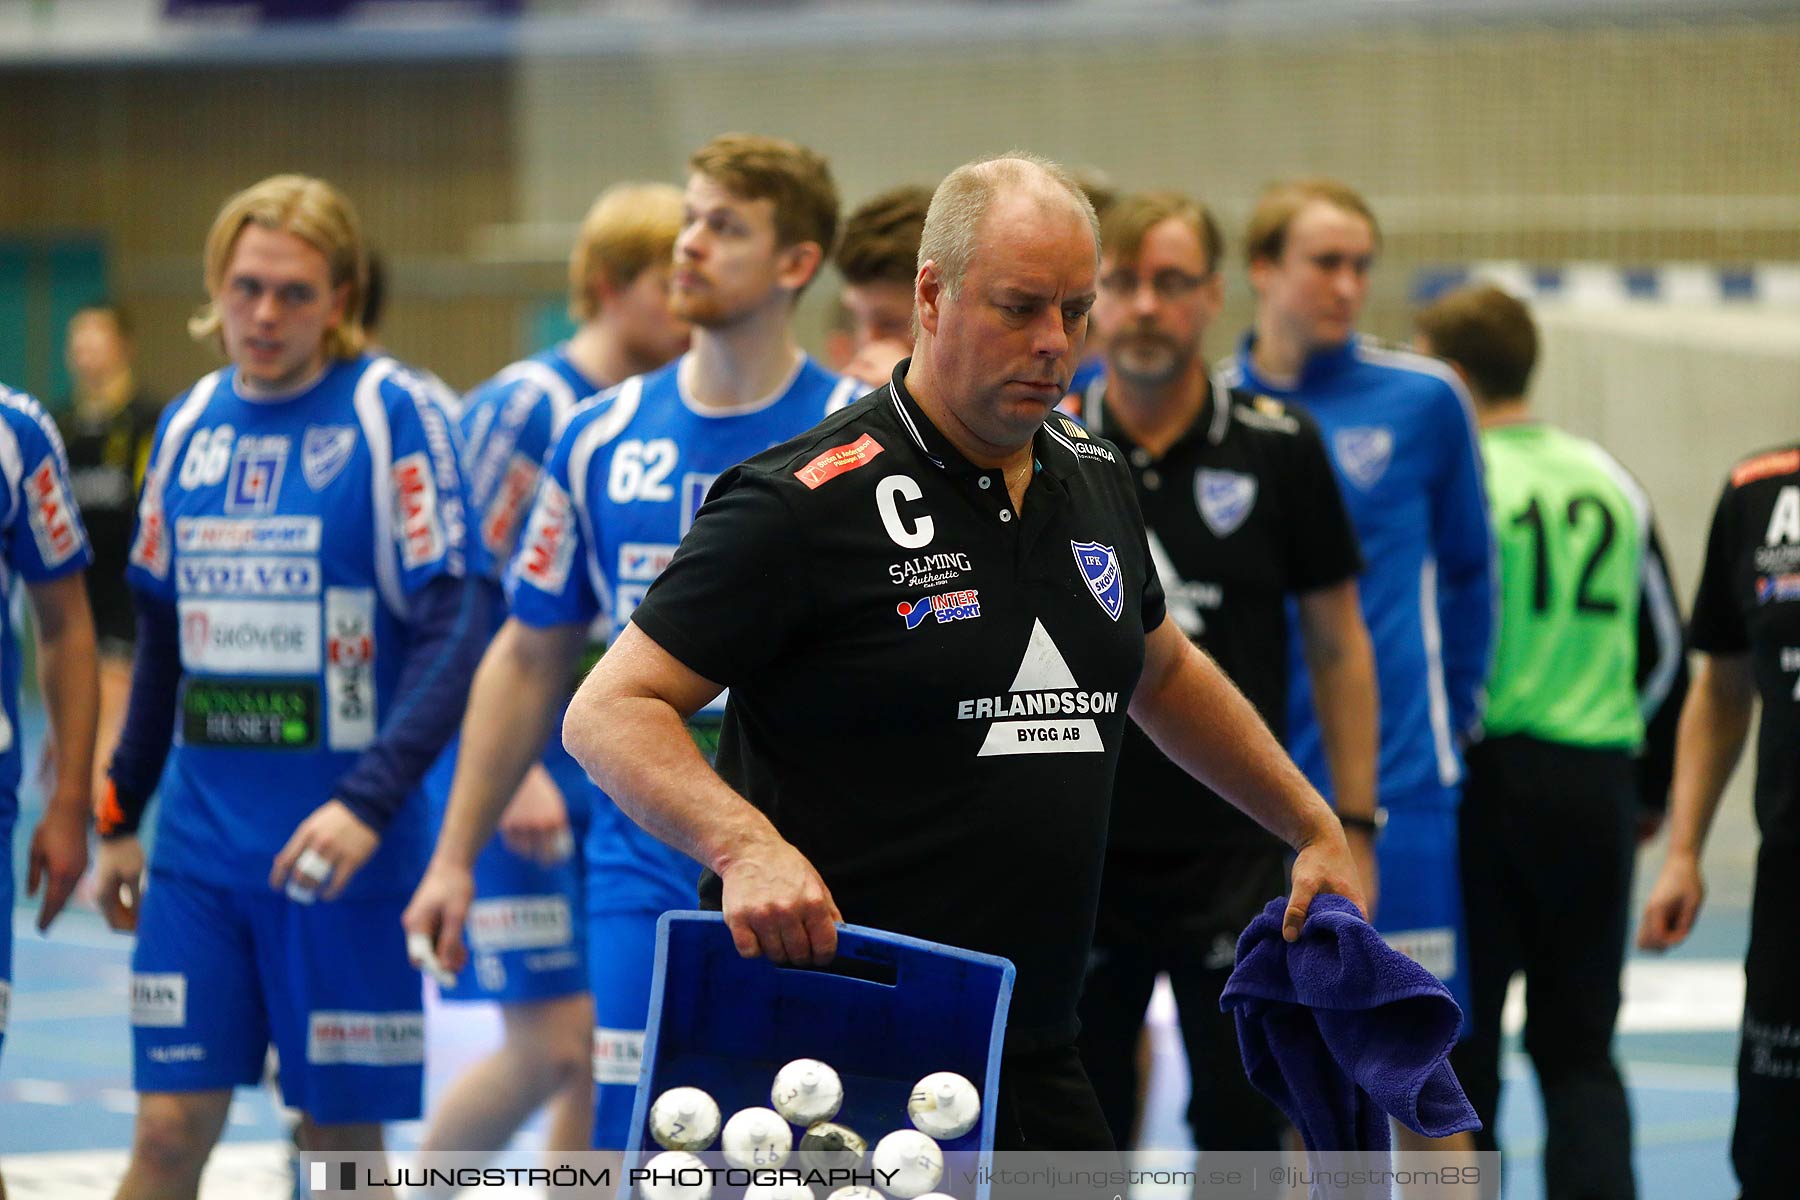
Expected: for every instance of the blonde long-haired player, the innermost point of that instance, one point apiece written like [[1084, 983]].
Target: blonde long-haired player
[[298, 570]]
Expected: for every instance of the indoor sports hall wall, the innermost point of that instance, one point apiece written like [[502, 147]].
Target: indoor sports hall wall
[[1624, 143], [146, 156]]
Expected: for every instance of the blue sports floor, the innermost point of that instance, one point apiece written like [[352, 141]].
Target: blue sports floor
[[66, 1103]]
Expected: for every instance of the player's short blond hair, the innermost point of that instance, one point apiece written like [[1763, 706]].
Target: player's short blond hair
[[630, 228], [316, 213], [1280, 203]]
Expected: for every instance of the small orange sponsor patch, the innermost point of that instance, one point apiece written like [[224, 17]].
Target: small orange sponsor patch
[[838, 459], [1781, 462]]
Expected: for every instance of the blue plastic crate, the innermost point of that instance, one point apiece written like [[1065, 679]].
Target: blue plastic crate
[[887, 1011]]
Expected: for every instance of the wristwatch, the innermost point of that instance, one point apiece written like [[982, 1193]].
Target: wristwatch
[[1372, 824]]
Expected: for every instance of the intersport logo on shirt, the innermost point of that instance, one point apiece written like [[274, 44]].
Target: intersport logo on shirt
[[236, 535]]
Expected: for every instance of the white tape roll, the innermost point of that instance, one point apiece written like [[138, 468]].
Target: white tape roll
[[312, 871], [420, 951]]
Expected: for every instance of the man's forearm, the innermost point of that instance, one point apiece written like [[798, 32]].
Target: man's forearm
[[632, 738], [1341, 664], [69, 678], [1715, 722], [1229, 748], [652, 770], [511, 713]]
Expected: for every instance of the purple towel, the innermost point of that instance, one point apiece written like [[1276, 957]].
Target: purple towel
[[1342, 1031]]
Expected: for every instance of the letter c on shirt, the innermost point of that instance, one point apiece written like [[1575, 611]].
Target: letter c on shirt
[[902, 486]]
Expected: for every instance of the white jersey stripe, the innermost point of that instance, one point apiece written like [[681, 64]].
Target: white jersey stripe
[[561, 396], [371, 414], [12, 463], [603, 430], [1065, 442], [1666, 619], [175, 434], [846, 391], [1653, 580], [1437, 695], [911, 428]]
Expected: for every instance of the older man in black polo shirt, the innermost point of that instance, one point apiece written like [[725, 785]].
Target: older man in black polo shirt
[[934, 611]]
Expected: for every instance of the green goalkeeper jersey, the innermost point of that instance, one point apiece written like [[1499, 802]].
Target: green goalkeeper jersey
[[1581, 579]]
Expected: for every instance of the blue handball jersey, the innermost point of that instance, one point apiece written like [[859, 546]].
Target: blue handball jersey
[[289, 536], [43, 540], [1401, 435], [508, 425], [620, 489]]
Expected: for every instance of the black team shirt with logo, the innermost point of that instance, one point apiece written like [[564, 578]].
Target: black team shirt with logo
[[1244, 512], [1749, 603], [928, 690]]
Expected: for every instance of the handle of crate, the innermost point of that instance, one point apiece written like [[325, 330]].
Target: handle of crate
[[877, 956]]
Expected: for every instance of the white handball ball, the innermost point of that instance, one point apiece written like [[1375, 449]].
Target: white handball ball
[[684, 1118], [911, 1162], [756, 1137], [689, 1178], [778, 1191], [806, 1092], [944, 1105]]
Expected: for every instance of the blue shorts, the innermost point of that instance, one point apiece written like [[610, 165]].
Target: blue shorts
[[621, 962], [6, 920], [525, 928], [1419, 911], [218, 974]]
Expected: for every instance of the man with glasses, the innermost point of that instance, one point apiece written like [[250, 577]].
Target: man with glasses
[[1242, 512]]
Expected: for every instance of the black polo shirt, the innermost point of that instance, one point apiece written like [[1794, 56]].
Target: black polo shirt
[[928, 691], [107, 458], [1243, 512], [1749, 603]]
